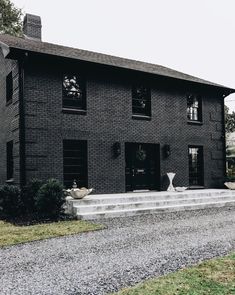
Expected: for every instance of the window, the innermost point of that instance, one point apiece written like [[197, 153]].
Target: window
[[9, 87], [74, 93], [75, 162], [194, 108], [196, 166], [10, 163], [141, 100]]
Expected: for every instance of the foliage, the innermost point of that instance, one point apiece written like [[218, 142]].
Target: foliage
[[49, 199], [29, 193], [13, 234], [10, 201], [10, 19], [229, 120]]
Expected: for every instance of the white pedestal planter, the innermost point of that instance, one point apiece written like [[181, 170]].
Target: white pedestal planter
[[171, 188]]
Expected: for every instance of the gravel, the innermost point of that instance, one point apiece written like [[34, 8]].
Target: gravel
[[130, 250]]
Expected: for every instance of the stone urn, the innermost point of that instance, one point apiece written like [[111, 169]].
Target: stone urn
[[79, 193], [230, 185]]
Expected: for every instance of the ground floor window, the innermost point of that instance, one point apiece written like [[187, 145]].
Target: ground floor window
[[75, 162], [195, 154], [10, 162]]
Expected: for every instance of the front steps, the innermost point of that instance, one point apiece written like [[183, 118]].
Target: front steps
[[130, 204]]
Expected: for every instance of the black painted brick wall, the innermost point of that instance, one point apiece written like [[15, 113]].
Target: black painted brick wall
[[109, 119], [9, 118]]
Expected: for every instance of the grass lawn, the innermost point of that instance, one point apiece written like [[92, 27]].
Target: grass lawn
[[12, 234], [212, 277]]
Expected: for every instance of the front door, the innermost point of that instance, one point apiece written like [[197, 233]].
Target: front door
[[142, 166]]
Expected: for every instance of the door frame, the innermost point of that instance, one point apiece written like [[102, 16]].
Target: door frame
[[156, 148]]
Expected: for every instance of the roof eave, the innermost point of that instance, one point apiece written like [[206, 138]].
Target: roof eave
[[16, 53], [5, 49]]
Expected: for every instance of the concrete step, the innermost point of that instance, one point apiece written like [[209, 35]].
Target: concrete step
[[149, 196], [137, 211], [94, 208], [129, 204]]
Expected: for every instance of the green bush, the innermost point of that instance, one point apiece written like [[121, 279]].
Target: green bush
[[10, 201], [49, 199], [29, 193]]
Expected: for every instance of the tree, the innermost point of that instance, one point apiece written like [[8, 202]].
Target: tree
[[229, 121], [10, 19]]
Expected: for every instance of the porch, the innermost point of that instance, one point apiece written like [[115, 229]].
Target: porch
[[151, 202]]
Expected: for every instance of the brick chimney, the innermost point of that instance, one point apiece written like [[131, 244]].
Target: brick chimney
[[32, 27]]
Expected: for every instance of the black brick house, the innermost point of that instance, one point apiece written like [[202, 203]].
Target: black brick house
[[110, 123]]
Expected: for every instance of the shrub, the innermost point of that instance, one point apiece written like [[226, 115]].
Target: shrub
[[10, 202], [29, 195], [49, 199]]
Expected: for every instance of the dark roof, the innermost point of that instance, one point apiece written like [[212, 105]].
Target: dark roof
[[94, 57]]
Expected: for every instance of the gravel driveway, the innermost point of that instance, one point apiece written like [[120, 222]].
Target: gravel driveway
[[128, 251]]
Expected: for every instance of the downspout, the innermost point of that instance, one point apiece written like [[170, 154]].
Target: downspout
[[22, 120], [224, 136]]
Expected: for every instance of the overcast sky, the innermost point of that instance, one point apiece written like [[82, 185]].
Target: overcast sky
[[193, 36]]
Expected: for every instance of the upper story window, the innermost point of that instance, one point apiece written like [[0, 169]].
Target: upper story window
[[194, 108], [141, 101], [9, 87], [74, 92]]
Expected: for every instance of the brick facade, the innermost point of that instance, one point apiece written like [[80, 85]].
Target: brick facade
[[9, 118], [109, 120]]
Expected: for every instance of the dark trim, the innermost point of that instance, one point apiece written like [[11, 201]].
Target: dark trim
[[141, 117], [22, 122], [73, 111], [195, 122]]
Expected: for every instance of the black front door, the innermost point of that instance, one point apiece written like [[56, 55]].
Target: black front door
[[142, 166]]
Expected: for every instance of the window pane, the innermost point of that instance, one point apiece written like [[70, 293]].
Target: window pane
[[9, 87], [141, 100], [75, 162], [10, 163], [194, 112], [74, 94], [195, 166]]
